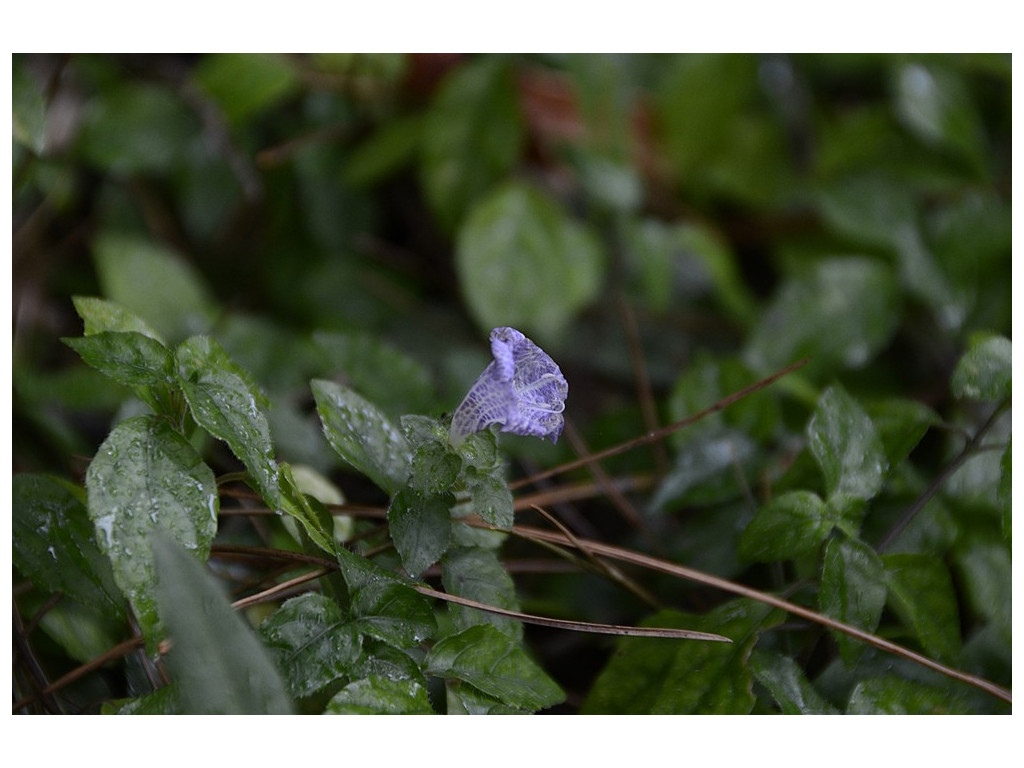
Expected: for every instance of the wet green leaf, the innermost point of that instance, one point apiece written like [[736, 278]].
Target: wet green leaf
[[54, 544], [477, 574], [380, 695], [134, 360], [492, 662], [162, 701], [899, 696], [421, 527], [101, 315], [523, 262], [362, 435], [921, 593], [985, 372], [846, 446], [464, 699], [383, 606], [227, 403], [145, 477], [491, 499], [472, 137], [656, 676], [788, 685], [311, 643], [217, 661], [790, 525], [840, 311], [853, 590]]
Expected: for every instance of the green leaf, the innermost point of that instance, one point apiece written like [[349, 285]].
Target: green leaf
[[985, 569], [311, 643], [840, 311], [29, 108], [84, 632], [491, 499], [1006, 489], [463, 699], [136, 127], [705, 470], [389, 149], [846, 446], [144, 477], [317, 522], [398, 383], [435, 467], [362, 435], [523, 262], [100, 315], [901, 423], [162, 701], [153, 283], [853, 590], [900, 696], [244, 84], [217, 661], [935, 104], [132, 359], [383, 606], [693, 114], [421, 527], [656, 676], [792, 524], [477, 574], [788, 685], [472, 137], [54, 543], [380, 695], [706, 381], [985, 371], [226, 403], [871, 208], [492, 662], [921, 593]]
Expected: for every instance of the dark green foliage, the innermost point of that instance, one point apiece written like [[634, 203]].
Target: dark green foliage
[[251, 289]]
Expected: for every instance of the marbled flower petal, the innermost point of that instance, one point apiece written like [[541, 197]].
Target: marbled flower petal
[[522, 390]]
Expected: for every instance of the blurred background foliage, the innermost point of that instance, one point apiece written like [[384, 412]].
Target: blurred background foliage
[[669, 227]]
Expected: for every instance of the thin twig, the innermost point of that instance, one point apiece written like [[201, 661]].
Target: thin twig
[[602, 566], [661, 433], [285, 587], [601, 478], [663, 566], [968, 450], [119, 650], [575, 626], [645, 394]]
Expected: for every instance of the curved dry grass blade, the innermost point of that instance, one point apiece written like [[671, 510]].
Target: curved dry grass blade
[[653, 563], [576, 626]]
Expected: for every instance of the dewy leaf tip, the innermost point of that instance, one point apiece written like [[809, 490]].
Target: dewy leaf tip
[[522, 390]]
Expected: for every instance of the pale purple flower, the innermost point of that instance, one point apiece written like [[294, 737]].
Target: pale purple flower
[[522, 390]]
